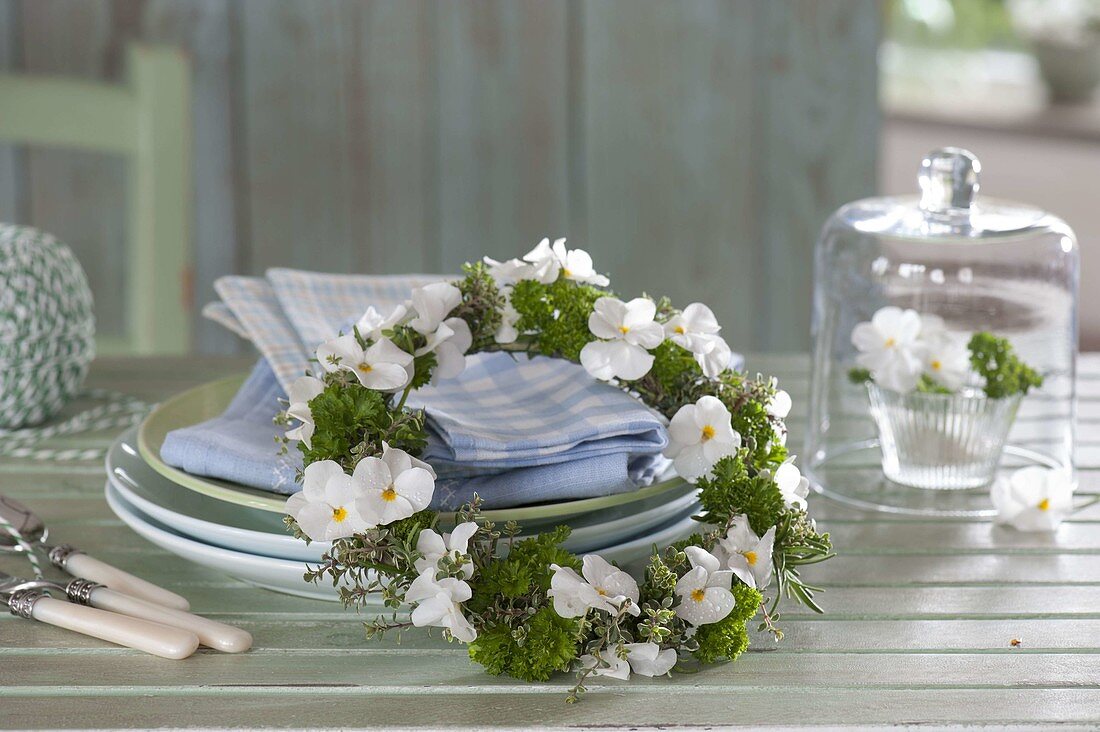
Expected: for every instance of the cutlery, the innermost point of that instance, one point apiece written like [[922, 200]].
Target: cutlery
[[219, 636], [75, 562], [29, 599]]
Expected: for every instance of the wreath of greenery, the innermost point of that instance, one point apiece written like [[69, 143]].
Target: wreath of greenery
[[526, 606]]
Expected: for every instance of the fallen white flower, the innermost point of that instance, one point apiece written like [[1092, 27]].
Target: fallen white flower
[[1033, 498]]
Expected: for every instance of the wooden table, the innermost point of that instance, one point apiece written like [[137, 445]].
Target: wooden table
[[921, 618]]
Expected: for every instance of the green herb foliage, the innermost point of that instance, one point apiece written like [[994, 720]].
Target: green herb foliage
[[1003, 373]]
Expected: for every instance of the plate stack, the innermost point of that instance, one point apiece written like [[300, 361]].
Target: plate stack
[[239, 530]]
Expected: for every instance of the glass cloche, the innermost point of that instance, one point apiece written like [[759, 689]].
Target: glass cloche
[[901, 418]]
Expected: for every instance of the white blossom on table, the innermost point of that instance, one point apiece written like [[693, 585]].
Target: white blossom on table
[[301, 391], [793, 485], [1033, 498], [627, 330], [747, 555], [326, 507], [432, 304], [704, 592], [381, 366], [888, 347], [393, 488], [455, 544], [700, 435], [603, 586], [439, 604]]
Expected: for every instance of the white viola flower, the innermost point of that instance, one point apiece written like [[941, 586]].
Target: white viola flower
[[780, 405], [373, 323], [616, 668], [704, 591], [647, 659], [433, 303], [628, 329], [506, 332], [299, 395], [381, 366], [793, 485], [392, 487], [449, 342], [716, 360], [889, 348], [545, 266], [692, 328], [1033, 498], [700, 435], [946, 358], [508, 272], [439, 604], [603, 587], [747, 555], [434, 547], [576, 265], [326, 507]]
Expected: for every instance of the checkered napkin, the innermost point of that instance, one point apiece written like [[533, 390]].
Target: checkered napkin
[[516, 431]]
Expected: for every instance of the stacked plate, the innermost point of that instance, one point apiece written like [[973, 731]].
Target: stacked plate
[[239, 530]]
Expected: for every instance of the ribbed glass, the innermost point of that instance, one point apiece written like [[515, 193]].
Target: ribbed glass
[[941, 441]]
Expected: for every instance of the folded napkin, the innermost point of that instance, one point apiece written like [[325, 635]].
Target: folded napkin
[[516, 431]]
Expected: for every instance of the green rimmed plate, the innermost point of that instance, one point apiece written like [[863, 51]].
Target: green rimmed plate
[[211, 399]]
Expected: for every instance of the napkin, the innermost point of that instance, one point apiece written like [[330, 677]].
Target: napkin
[[515, 430]]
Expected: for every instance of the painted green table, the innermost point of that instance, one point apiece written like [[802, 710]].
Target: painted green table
[[922, 615]]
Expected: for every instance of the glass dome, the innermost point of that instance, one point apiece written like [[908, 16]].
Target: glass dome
[[978, 264]]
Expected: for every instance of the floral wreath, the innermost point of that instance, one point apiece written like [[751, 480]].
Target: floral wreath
[[526, 606]]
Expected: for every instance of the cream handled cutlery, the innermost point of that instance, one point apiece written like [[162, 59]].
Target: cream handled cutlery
[[29, 599], [75, 562]]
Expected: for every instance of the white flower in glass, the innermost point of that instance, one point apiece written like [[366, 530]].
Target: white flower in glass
[[700, 435], [373, 323], [748, 556], [325, 508], [508, 272], [647, 659], [628, 329], [434, 547], [704, 591], [449, 341], [392, 487], [433, 303], [299, 395], [1033, 499], [888, 347], [793, 485], [615, 668], [439, 604], [603, 587], [381, 366], [946, 359], [506, 332]]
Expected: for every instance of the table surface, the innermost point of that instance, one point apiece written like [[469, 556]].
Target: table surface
[[921, 615]]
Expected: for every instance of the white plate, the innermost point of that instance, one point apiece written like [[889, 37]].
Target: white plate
[[259, 532], [285, 575]]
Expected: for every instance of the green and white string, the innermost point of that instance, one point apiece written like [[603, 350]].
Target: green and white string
[[26, 546], [118, 411]]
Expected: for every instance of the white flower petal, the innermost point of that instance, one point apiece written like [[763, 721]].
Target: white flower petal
[[647, 659], [416, 486]]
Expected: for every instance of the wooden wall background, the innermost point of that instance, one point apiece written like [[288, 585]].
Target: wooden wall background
[[693, 147]]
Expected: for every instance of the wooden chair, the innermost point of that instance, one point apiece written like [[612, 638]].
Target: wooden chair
[[148, 121]]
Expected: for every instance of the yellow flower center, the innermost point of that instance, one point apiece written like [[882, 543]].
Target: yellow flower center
[[339, 514], [750, 557], [624, 329], [891, 342], [365, 367], [1044, 505], [601, 592], [389, 494], [936, 365], [565, 271], [698, 595], [708, 433], [680, 329]]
